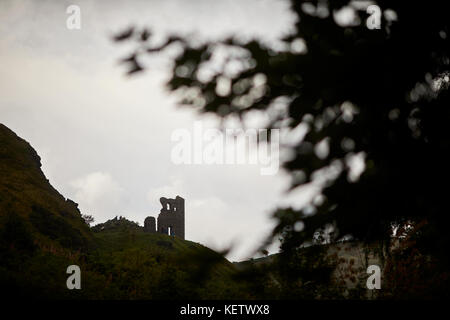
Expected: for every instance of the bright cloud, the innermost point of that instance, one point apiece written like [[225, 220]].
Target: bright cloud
[[98, 194]]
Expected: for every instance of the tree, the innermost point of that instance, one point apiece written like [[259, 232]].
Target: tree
[[88, 219], [380, 95]]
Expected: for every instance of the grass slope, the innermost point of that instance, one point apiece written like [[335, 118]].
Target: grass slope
[[42, 233], [28, 199]]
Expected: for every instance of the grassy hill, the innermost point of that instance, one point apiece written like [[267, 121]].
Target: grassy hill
[[27, 199], [42, 233], [158, 266]]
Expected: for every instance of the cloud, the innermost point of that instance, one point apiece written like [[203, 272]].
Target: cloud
[[172, 190], [98, 194], [63, 91]]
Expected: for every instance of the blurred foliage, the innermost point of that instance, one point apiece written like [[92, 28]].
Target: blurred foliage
[[378, 94]]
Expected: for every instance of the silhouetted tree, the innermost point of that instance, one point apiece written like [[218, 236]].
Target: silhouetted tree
[[377, 94], [88, 219]]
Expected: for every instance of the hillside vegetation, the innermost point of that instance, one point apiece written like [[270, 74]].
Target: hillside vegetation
[[42, 233]]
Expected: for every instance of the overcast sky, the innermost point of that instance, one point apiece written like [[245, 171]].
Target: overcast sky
[[105, 139]]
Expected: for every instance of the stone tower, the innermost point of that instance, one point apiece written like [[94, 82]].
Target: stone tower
[[150, 225], [170, 219]]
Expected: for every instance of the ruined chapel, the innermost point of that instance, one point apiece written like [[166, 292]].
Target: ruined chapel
[[170, 220]]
